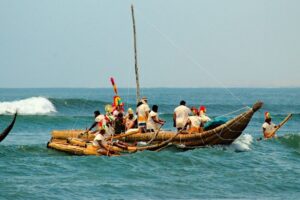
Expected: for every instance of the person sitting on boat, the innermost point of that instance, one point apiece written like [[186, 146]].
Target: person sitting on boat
[[100, 142], [194, 122], [119, 124], [130, 119], [153, 121], [181, 115], [268, 127], [142, 114], [202, 114]]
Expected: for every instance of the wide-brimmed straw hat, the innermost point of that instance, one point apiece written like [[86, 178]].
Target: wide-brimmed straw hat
[[130, 111]]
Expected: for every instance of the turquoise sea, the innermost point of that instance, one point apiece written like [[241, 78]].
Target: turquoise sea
[[247, 169]]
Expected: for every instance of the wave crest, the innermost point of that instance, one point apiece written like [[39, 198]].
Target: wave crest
[[29, 106], [242, 143]]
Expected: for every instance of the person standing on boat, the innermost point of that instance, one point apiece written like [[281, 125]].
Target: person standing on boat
[[194, 122], [268, 127], [153, 120], [109, 121], [96, 114], [118, 110], [130, 119], [142, 114], [181, 115], [119, 124], [202, 114]]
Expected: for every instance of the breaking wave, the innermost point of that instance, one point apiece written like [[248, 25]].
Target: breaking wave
[[29, 106], [242, 143], [291, 140]]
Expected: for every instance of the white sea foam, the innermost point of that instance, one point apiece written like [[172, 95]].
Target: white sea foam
[[29, 106], [243, 143]]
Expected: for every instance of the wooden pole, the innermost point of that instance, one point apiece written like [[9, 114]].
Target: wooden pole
[[281, 124], [135, 58]]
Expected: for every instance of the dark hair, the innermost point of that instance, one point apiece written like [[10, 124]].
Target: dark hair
[[97, 112], [182, 102], [268, 120], [120, 115], [155, 108], [139, 103]]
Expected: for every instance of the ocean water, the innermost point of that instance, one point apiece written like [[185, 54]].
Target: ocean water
[[247, 169]]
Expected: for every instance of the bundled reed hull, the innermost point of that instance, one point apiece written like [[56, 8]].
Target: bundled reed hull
[[76, 147], [221, 135]]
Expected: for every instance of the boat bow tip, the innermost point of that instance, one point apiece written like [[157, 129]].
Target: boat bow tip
[[257, 106]]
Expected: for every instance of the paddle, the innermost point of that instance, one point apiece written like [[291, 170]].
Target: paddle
[[153, 138], [278, 126], [161, 148]]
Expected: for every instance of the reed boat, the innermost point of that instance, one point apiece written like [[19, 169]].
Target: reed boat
[[7, 130], [83, 146], [72, 141]]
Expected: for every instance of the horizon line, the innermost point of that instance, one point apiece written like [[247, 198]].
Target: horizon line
[[209, 87]]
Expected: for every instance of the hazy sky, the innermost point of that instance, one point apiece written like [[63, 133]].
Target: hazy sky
[[186, 43]]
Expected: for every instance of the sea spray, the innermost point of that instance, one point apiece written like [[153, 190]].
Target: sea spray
[[242, 143], [29, 106]]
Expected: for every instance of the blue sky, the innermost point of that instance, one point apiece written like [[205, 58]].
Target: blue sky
[[194, 43]]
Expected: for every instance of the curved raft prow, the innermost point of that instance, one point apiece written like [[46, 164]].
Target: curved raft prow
[[222, 135], [6, 131], [71, 141]]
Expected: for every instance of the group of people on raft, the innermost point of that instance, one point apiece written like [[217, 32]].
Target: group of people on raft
[[186, 120], [115, 121]]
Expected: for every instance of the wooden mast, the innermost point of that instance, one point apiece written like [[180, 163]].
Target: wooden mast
[[135, 58]]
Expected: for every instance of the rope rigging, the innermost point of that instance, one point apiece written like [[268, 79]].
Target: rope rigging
[[192, 59]]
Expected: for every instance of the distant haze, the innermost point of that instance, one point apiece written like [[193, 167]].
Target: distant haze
[[192, 43]]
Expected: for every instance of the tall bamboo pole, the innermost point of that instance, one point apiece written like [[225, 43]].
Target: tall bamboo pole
[[135, 58]]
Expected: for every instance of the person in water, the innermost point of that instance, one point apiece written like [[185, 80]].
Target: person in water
[[194, 122], [130, 120], [268, 127], [153, 121], [181, 115], [142, 114]]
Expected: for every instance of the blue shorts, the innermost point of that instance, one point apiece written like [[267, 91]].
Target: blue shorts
[[142, 125]]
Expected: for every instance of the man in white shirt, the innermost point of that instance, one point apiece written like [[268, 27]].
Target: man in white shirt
[[130, 119], [180, 116], [153, 120], [100, 142], [142, 114], [194, 122], [268, 127]]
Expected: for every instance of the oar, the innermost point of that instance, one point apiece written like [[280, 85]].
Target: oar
[[161, 148], [153, 138], [279, 125], [154, 146], [124, 135]]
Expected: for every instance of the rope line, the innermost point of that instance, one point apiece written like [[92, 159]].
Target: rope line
[[192, 60]]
